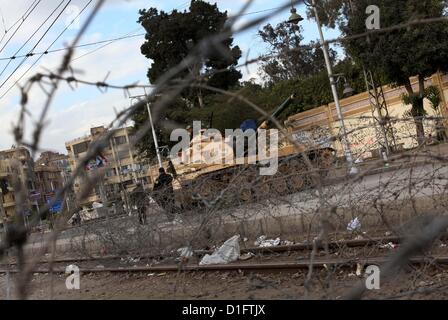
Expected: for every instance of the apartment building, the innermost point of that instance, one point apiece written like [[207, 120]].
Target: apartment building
[[16, 163], [52, 171], [118, 164]]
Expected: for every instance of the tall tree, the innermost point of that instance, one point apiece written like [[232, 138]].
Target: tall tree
[[288, 58], [171, 36], [399, 54]]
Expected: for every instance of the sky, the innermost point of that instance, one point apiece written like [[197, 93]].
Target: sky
[[74, 112]]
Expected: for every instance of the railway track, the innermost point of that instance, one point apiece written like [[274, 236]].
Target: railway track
[[256, 250], [113, 262], [269, 266]]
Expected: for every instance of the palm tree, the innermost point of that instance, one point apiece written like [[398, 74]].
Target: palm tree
[[432, 93]]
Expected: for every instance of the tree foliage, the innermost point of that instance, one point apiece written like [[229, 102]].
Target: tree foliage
[[400, 54], [171, 36], [288, 58], [314, 90], [296, 68]]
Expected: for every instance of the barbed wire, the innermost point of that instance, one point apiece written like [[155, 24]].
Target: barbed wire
[[314, 214]]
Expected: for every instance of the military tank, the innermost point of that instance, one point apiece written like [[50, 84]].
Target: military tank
[[197, 184]]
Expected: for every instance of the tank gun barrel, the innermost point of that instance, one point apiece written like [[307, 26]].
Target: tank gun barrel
[[278, 111]]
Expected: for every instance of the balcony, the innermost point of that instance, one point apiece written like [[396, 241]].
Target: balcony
[[9, 204]]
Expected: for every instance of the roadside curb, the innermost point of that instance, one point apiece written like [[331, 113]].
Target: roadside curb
[[378, 170]]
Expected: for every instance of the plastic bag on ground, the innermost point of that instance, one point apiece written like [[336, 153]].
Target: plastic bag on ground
[[185, 252], [389, 245], [262, 242], [228, 252], [354, 225]]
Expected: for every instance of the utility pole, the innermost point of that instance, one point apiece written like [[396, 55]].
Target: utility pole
[[118, 164], [156, 142], [154, 135], [345, 143]]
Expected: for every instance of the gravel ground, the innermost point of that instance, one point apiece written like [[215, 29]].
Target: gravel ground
[[233, 285]]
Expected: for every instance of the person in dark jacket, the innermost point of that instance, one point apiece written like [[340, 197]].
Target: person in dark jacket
[[164, 193], [138, 200]]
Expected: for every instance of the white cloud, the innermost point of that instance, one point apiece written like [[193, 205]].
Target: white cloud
[[73, 113], [124, 61]]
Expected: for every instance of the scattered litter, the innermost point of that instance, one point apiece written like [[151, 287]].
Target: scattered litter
[[351, 274], [262, 242], [388, 233], [228, 252], [185, 252], [354, 170], [151, 274], [442, 245], [422, 283], [354, 225], [359, 237], [359, 269], [247, 256], [162, 274], [97, 205], [130, 260], [245, 240], [156, 262], [287, 243], [389, 245]]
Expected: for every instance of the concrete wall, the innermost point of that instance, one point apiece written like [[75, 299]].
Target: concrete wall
[[358, 116]]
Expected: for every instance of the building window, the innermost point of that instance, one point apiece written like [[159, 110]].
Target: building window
[[120, 140], [123, 154], [124, 170], [81, 147], [111, 173]]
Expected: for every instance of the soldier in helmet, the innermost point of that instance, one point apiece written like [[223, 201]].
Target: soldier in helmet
[[138, 200], [164, 193]]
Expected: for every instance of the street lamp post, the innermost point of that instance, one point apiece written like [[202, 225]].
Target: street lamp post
[[156, 143], [333, 83]]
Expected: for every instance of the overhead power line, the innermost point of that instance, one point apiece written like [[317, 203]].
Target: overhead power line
[[255, 12], [127, 36], [182, 6], [49, 47], [38, 42], [90, 44], [6, 29], [32, 36], [23, 19]]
